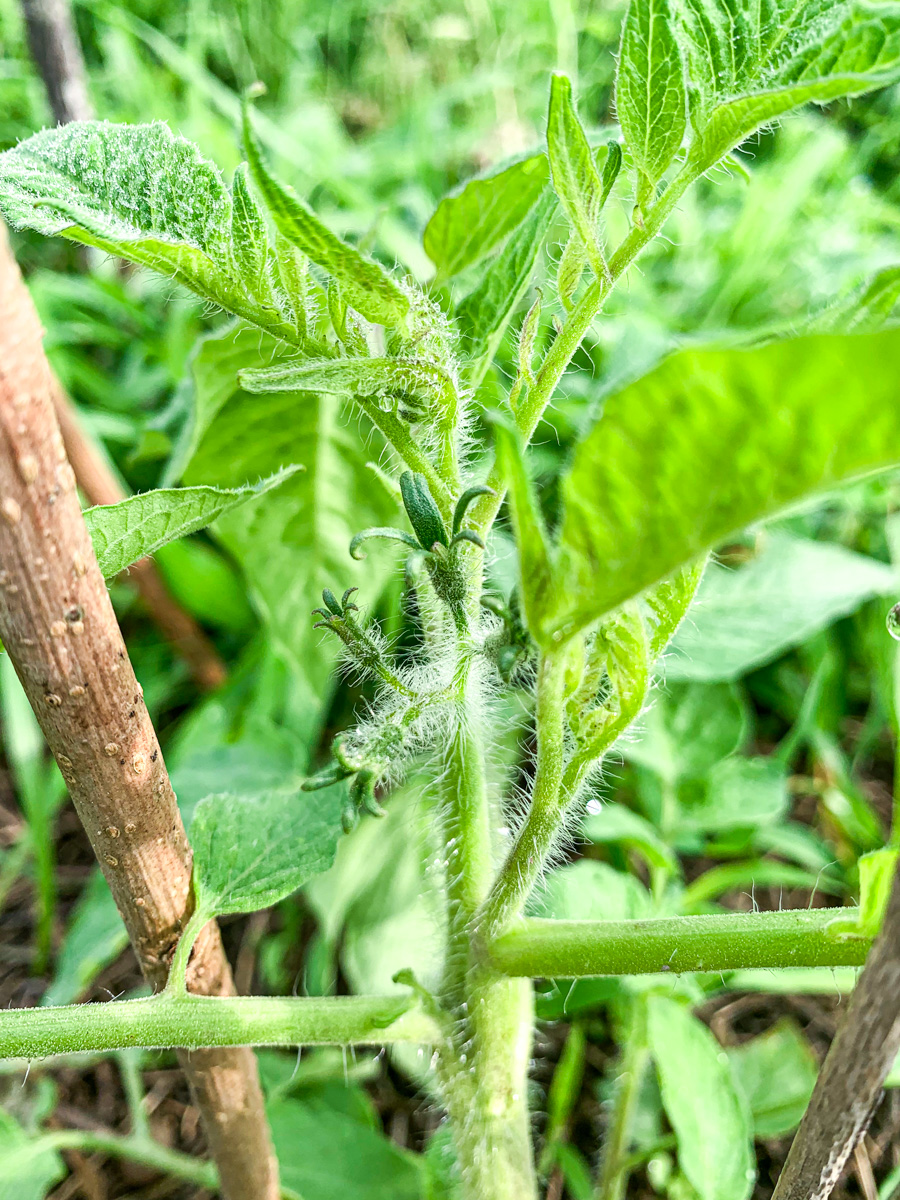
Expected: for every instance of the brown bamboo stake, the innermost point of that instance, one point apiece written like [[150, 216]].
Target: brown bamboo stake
[[58, 625], [850, 1084]]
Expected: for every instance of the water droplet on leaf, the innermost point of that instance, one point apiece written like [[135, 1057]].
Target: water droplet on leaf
[[893, 622]]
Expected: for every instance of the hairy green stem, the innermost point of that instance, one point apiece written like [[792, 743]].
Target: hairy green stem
[[176, 984], [483, 1069], [541, 827], [193, 1022], [560, 354], [398, 433], [718, 942]]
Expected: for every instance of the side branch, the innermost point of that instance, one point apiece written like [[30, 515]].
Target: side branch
[[191, 1022], [720, 942]]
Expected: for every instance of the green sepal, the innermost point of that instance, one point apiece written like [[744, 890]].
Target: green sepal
[[423, 513]]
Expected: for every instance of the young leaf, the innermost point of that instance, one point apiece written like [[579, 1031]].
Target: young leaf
[[410, 379], [29, 1164], [754, 63], [251, 851], [474, 221], [249, 236], [866, 310], [484, 313], [712, 440], [573, 171], [137, 191], [650, 86], [699, 1095], [367, 286], [124, 532], [535, 567]]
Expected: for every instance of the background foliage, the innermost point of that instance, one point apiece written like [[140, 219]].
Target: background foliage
[[761, 775]]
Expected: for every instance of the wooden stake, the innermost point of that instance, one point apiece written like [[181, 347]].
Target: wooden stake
[[59, 628]]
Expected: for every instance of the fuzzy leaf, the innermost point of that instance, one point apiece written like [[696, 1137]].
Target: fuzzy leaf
[[366, 284], [124, 532], [474, 221], [249, 236], [576, 180], [251, 851], [379, 377], [650, 86], [712, 440], [137, 191], [752, 63], [701, 1101], [776, 1072]]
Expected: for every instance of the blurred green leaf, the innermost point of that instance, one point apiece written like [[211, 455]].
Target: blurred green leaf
[[473, 221], [736, 793], [251, 851], [744, 434], [744, 617], [615, 824], [329, 1156], [95, 937], [590, 891], [699, 1095], [204, 582], [139, 525], [776, 1071], [688, 729], [28, 1169]]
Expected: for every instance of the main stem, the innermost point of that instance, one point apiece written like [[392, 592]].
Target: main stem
[[483, 1066]]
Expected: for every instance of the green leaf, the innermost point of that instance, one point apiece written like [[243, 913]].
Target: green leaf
[[251, 851], [485, 312], [124, 532], [712, 440], [366, 284], [751, 873], [751, 64], [689, 729], [617, 825], [591, 891], [737, 793], [776, 1072], [137, 191], [573, 171], [867, 309], [95, 937], [28, 1166], [473, 221], [330, 1156], [745, 616], [292, 542], [249, 236], [650, 86], [699, 1095]]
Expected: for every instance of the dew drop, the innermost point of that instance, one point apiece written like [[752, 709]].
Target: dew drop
[[893, 622]]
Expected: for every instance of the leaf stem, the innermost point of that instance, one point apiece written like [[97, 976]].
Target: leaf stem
[[194, 1022], [176, 984], [400, 437], [715, 942], [614, 1168]]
